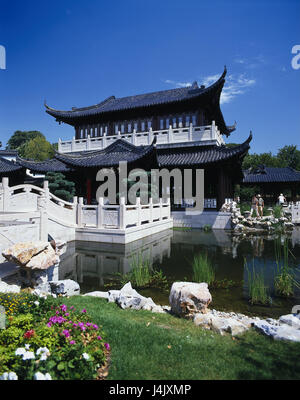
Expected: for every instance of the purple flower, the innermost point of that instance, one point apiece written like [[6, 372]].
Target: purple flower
[[106, 345], [66, 332], [88, 324], [74, 325], [67, 314], [99, 337], [63, 307], [83, 311], [49, 324], [71, 307], [95, 326], [72, 341]]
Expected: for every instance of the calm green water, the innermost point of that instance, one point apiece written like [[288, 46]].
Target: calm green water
[[94, 265]]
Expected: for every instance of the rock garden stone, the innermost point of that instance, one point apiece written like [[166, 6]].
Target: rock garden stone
[[103, 295], [65, 287], [6, 288], [279, 332], [189, 298]]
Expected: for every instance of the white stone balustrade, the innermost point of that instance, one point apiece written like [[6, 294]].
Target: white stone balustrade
[[204, 135], [104, 216], [29, 198]]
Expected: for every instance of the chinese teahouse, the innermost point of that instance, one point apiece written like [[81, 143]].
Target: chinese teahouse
[[177, 128]]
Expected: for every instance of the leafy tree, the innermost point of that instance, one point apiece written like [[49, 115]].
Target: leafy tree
[[254, 160], [289, 156], [38, 149], [60, 186], [19, 138]]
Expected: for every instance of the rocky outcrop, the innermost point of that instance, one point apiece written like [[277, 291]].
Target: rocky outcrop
[[245, 222], [128, 297], [189, 298], [6, 288], [66, 287], [223, 323], [286, 328], [32, 255]]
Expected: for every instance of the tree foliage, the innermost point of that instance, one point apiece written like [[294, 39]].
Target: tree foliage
[[19, 138], [37, 149], [60, 186], [287, 156]]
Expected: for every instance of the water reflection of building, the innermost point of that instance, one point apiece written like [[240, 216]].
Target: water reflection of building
[[90, 260]]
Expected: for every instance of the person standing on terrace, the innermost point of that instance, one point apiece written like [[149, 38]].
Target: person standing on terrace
[[254, 205]]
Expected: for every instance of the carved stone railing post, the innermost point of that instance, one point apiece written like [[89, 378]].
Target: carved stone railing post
[[88, 142], [75, 201], [100, 213], [46, 189], [138, 208], [150, 135], [150, 210], [73, 144], [190, 132], [213, 131], [79, 212], [170, 134], [160, 209], [59, 145], [6, 194], [43, 225], [122, 211]]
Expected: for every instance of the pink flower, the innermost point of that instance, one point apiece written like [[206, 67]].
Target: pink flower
[[63, 307], [83, 311], [106, 345], [99, 337], [72, 341], [49, 324], [67, 314], [66, 332], [95, 326]]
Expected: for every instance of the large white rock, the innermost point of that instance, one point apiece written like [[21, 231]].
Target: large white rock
[[221, 325], [103, 295], [189, 298], [33, 255], [128, 297], [6, 288], [278, 332], [291, 319], [65, 287]]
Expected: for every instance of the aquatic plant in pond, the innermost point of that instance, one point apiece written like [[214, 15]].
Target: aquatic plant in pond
[[257, 290], [203, 270], [142, 275], [284, 280]]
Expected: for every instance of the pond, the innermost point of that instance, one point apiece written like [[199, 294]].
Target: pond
[[95, 266]]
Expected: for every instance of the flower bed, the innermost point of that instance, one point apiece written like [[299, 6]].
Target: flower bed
[[43, 340]]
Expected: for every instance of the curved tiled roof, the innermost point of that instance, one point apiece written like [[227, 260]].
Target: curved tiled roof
[[118, 151], [264, 174], [113, 104], [7, 166], [51, 165], [201, 155]]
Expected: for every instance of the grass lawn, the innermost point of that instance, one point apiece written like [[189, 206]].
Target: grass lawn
[[145, 346]]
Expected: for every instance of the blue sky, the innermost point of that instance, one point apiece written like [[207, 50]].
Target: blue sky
[[77, 53]]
